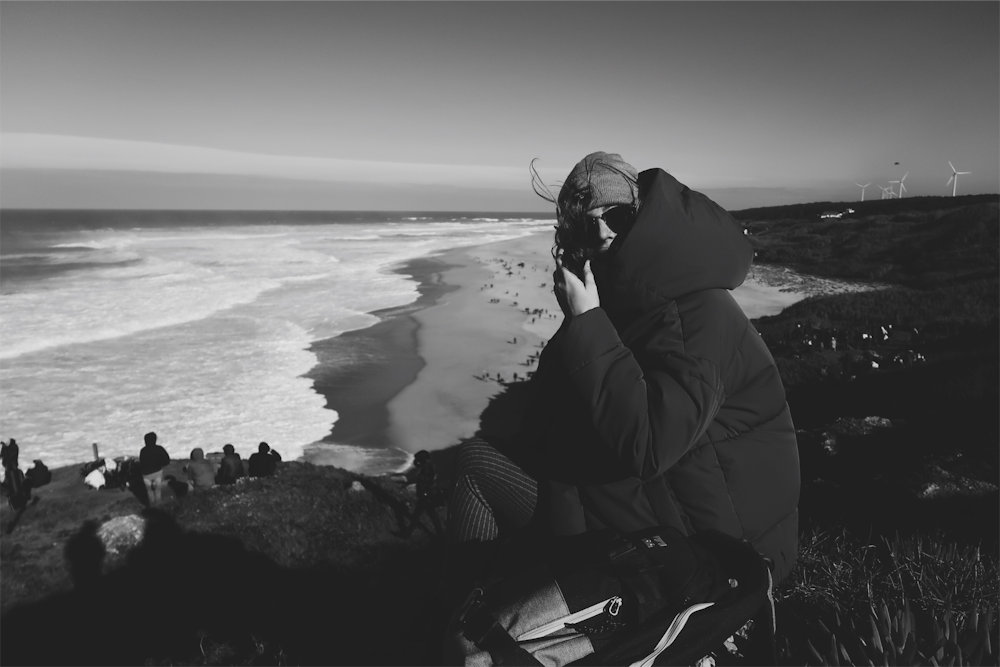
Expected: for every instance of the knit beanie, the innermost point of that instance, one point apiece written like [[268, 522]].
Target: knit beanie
[[609, 179]]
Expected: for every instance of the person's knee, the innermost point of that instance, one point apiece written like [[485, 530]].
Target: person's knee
[[473, 458]]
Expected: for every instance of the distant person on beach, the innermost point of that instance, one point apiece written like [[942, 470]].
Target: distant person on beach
[[200, 471], [231, 468], [655, 403], [429, 496], [262, 464], [152, 460]]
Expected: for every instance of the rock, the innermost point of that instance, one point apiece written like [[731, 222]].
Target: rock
[[945, 484], [849, 427], [961, 488], [122, 533], [357, 486], [855, 426]]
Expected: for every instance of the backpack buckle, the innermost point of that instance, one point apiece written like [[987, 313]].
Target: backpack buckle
[[472, 604], [654, 541], [614, 606]]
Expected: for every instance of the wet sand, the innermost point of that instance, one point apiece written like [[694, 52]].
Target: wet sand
[[477, 339], [360, 371]]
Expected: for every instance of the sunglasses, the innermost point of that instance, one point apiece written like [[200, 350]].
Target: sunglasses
[[618, 219]]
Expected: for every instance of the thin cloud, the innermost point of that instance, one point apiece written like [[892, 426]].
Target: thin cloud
[[50, 151]]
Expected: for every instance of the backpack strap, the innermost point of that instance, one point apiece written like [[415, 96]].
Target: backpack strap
[[763, 649], [482, 629]]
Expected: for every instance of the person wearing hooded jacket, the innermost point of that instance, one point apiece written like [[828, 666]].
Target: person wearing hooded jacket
[[656, 402], [200, 471]]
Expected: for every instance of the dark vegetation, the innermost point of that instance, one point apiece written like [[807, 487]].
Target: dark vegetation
[[899, 508], [899, 511], [907, 242]]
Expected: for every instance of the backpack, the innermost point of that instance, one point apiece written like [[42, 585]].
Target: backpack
[[650, 597], [38, 476]]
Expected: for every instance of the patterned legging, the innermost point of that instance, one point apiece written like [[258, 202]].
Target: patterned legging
[[491, 492]]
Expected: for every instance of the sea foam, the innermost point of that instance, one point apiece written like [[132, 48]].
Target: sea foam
[[200, 333]]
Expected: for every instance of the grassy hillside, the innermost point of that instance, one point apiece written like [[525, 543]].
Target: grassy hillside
[[295, 569], [899, 243], [812, 210]]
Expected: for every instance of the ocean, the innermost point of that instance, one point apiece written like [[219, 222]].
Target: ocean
[[200, 326]]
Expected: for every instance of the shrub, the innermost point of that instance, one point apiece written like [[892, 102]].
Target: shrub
[[902, 637], [864, 591]]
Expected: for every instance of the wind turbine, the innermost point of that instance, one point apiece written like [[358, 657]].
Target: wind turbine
[[954, 176], [902, 188], [863, 189], [886, 191], [892, 192]]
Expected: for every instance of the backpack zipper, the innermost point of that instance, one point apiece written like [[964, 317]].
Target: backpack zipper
[[611, 605], [671, 634]]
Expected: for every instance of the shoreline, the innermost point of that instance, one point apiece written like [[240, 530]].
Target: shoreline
[[477, 341], [413, 381], [359, 371]]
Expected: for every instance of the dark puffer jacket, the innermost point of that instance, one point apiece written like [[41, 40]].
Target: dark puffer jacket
[[664, 406]]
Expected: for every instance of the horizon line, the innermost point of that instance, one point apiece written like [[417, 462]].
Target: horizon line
[[441, 211]]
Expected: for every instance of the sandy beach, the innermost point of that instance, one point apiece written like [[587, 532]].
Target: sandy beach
[[476, 339], [786, 280]]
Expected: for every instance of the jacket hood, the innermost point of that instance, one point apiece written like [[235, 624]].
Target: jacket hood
[[681, 242], [197, 454]]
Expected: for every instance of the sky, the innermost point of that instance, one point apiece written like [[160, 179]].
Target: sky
[[443, 105]]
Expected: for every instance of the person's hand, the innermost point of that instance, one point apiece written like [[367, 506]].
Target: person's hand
[[576, 296], [559, 287]]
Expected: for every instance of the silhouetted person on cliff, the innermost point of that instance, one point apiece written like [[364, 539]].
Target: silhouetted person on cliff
[[8, 454], [231, 467], [152, 460], [14, 487], [263, 463], [39, 475]]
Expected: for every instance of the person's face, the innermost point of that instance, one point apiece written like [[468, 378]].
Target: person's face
[[609, 221]]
